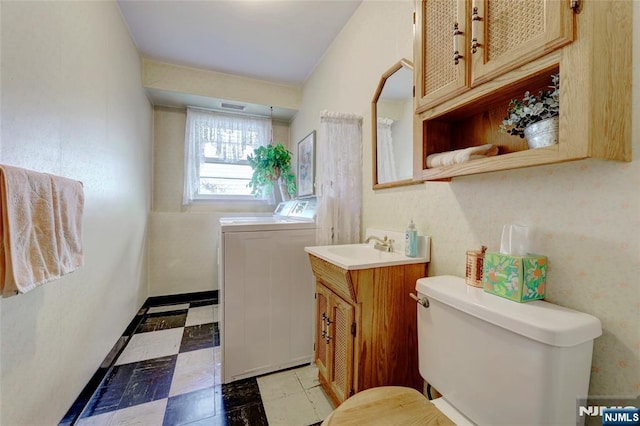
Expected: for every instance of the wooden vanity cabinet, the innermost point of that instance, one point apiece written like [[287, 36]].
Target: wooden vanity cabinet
[[461, 44], [518, 52], [366, 330]]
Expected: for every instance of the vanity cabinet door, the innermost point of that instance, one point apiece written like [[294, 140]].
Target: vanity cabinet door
[[506, 34], [321, 347], [341, 344], [439, 74], [334, 343]]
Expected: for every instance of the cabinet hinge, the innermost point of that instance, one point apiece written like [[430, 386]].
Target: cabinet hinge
[[414, 18], [576, 6], [353, 329]]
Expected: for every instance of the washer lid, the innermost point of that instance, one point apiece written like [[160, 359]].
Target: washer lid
[[538, 320], [263, 223]]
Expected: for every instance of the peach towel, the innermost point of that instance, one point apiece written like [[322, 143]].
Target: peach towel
[[461, 155], [41, 228]]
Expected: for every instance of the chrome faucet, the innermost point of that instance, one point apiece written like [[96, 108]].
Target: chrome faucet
[[382, 245]]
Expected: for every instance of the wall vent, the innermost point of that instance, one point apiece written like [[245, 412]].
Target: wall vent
[[234, 107]]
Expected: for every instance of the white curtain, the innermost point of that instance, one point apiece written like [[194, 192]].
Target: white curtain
[[385, 163], [218, 137], [339, 179]]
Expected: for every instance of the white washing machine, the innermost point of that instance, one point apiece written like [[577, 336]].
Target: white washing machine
[[267, 289]]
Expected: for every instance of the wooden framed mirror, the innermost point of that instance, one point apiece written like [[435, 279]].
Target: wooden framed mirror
[[393, 128]]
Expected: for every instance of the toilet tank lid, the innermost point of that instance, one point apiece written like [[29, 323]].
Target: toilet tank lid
[[538, 320]]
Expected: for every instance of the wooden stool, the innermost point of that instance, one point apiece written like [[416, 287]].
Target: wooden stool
[[387, 406]]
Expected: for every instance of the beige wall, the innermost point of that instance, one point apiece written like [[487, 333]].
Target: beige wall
[[585, 212], [183, 242], [73, 105], [193, 81]]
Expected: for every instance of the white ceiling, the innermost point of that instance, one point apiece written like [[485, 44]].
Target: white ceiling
[[275, 40]]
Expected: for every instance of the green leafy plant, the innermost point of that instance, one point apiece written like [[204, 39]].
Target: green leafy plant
[[532, 108], [269, 163]]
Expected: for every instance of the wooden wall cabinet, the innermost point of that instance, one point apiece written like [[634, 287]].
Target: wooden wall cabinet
[[462, 44], [438, 75], [507, 34], [517, 50], [366, 330]]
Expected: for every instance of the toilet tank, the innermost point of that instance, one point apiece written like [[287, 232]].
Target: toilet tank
[[501, 362]]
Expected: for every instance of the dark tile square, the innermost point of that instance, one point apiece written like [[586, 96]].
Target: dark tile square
[[216, 334], [119, 375], [248, 415], [108, 395], [132, 384], [142, 391], [150, 380], [239, 393], [155, 367], [162, 321], [196, 337], [104, 400], [190, 407]]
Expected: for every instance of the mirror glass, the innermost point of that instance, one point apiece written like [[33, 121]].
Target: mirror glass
[[392, 127]]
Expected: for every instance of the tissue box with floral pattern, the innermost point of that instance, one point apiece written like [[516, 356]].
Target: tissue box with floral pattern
[[519, 278]]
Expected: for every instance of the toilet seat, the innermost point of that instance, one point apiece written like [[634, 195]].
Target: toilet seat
[[387, 406]]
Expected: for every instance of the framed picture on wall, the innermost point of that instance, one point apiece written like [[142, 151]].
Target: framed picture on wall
[[307, 165]]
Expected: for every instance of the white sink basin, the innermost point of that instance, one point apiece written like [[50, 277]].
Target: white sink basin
[[361, 256]]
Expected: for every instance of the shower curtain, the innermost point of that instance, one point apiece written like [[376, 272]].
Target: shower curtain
[[386, 163], [339, 178]]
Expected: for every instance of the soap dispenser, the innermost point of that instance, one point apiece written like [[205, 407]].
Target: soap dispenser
[[411, 240]]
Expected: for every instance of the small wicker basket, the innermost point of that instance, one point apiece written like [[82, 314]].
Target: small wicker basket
[[475, 259]]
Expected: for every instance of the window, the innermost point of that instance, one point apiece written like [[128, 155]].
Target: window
[[216, 149]]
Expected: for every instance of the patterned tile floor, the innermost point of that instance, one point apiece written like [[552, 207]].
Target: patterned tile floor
[[169, 374]]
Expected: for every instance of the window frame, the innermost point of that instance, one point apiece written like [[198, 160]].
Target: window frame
[[194, 194]]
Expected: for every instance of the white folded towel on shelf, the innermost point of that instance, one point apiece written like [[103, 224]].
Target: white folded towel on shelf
[[40, 227], [461, 155]]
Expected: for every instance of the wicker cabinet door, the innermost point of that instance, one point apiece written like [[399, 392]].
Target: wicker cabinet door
[[506, 34], [322, 359], [439, 75], [341, 320]]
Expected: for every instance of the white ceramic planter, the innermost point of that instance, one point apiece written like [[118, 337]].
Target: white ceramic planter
[[543, 133]]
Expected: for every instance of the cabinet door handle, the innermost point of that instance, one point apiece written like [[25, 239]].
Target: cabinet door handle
[[456, 51], [324, 325], [475, 18], [328, 336]]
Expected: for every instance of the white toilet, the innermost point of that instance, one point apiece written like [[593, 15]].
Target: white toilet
[[495, 361]]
